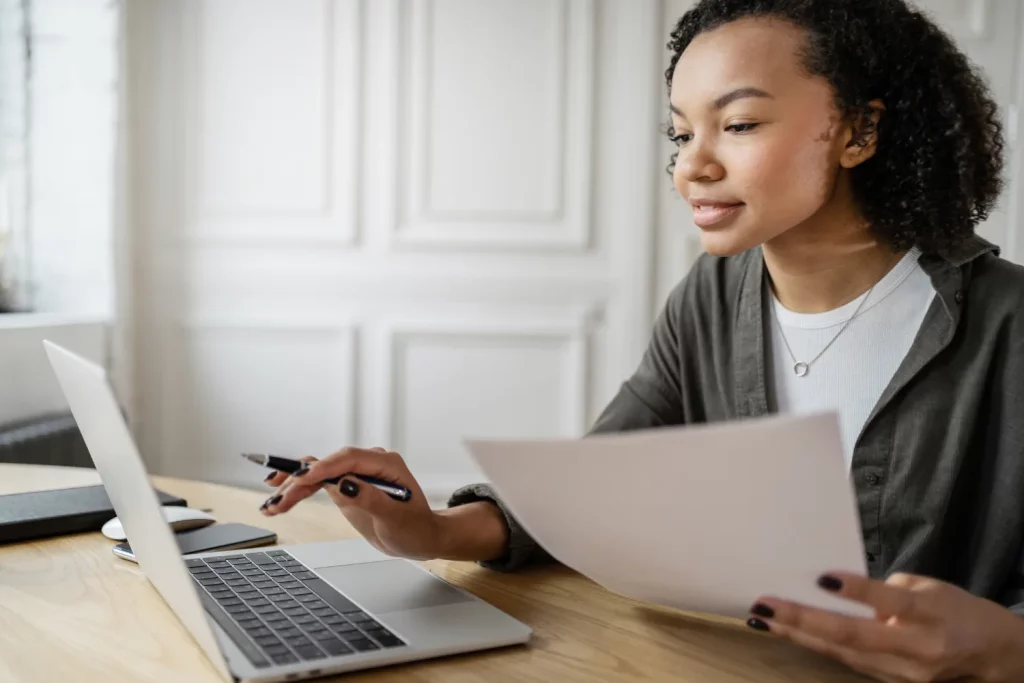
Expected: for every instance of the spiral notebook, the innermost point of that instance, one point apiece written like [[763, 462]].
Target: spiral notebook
[[26, 516]]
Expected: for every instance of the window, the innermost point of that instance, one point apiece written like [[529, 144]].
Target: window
[[59, 127]]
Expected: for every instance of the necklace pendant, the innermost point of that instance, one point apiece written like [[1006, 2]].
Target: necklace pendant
[[801, 368]]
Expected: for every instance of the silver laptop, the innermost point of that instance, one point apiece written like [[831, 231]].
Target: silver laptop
[[281, 612]]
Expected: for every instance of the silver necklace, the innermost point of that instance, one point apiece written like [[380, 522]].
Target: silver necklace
[[800, 367]]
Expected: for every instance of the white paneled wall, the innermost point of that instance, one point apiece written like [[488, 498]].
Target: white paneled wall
[[406, 222], [387, 223]]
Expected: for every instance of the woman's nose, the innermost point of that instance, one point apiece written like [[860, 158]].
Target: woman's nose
[[696, 164]]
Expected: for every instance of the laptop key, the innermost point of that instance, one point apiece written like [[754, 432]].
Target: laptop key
[[279, 553], [285, 658], [304, 575], [334, 619], [309, 652], [305, 619], [343, 628], [283, 626], [323, 611], [390, 641], [287, 603], [194, 563], [267, 641], [290, 584], [330, 595], [279, 649], [278, 599], [265, 609], [323, 635], [359, 617], [335, 647], [230, 602], [272, 591], [249, 622], [256, 601], [237, 609], [289, 632], [264, 583], [260, 558], [309, 600], [259, 631], [294, 611], [231, 558], [363, 645]]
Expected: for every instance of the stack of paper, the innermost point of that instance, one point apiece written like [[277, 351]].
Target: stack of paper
[[703, 518]]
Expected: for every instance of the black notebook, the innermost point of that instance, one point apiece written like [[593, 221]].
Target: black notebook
[[25, 516]]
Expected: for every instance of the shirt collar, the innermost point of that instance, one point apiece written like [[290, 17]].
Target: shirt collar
[[949, 277]]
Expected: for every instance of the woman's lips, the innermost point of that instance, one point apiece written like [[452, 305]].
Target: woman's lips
[[706, 216]]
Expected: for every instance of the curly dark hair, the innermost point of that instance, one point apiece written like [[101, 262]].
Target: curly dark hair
[[938, 167]]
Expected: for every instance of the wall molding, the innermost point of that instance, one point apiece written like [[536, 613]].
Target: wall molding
[[568, 225], [572, 333], [336, 221], [173, 369]]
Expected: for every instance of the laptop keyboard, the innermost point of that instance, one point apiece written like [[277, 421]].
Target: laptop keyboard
[[278, 611]]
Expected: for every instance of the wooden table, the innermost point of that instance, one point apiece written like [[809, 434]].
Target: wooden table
[[71, 611]]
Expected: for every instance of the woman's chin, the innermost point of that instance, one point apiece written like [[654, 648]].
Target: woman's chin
[[727, 242]]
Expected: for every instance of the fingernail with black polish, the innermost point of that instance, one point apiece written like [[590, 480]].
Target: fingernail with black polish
[[762, 610], [830, 583], [273, 501], [349, 488], [757, 624], [269, 476], [301, 471]]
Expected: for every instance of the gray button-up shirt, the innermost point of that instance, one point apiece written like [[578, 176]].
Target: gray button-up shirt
[[939, 465]]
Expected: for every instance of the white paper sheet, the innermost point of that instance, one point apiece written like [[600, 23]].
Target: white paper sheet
[[704, 518]]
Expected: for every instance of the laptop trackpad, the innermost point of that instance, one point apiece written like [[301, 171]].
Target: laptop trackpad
[[390, 586]]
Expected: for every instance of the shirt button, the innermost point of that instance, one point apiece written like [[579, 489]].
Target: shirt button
[[959, 296], [873, 479]]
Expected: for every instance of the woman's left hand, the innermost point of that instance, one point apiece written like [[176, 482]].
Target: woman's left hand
[[925, 630]]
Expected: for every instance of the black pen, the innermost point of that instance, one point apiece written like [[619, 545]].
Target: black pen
[[276, 462]]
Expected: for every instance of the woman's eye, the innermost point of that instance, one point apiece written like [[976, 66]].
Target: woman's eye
[[682, 138], [741, 127]]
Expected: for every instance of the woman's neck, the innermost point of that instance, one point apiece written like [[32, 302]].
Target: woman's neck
[[814, 270]]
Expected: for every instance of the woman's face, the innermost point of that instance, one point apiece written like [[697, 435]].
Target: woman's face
[[761, 143]]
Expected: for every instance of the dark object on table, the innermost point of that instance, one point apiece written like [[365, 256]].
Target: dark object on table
[[39, 514], [52, 439]]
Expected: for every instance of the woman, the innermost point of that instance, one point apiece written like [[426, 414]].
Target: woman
[[838, 156]]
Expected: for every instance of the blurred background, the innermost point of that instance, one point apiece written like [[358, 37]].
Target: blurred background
[[291, 225]]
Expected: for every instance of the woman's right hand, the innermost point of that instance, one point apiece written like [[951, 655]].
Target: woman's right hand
[[403, 529], [409, 529]]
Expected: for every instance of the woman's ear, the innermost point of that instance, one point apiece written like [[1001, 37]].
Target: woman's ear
[[863, 135]]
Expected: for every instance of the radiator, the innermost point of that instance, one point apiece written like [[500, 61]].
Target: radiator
[[45, 440]]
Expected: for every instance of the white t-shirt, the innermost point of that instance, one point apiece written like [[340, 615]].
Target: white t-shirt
[[852, 373]]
